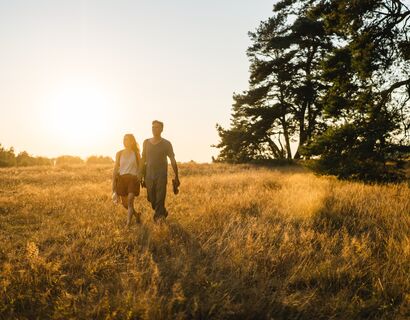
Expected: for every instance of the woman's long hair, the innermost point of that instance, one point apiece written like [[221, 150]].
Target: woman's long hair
[[135, 147]]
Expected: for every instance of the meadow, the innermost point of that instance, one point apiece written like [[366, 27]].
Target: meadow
[[241, 242]]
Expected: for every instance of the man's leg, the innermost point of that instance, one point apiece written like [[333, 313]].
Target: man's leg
[[160, 194], [150, 185]]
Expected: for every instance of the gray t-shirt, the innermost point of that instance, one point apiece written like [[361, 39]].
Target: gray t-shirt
[[155, 157]]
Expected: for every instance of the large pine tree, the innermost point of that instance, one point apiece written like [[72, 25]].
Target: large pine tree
[[367, 105], [282, 102], [332, 75]]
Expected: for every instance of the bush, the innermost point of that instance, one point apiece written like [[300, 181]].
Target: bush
[[99, 160], [23, 159], [7, 157], [63, 160], [349, 153]]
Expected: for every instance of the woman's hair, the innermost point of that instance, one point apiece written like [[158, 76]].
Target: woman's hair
[[135, 147]]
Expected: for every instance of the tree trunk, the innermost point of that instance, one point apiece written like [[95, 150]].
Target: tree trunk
[[302, 131], [287, 140], [275, 149]]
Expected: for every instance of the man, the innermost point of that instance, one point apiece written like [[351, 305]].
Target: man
[[154, 169]]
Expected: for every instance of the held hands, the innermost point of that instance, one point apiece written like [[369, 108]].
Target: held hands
[[141, 180]]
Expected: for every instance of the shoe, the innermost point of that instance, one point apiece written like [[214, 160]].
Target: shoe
[[160, 217], [157, 218]]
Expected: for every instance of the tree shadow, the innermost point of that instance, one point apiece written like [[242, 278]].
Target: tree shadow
[[207, 284]]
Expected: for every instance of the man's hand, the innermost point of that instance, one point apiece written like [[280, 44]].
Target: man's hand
[[175, 185]]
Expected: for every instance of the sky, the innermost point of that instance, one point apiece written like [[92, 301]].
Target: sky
[[77, 75]]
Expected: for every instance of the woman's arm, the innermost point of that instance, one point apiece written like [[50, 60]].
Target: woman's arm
[[116, 171]]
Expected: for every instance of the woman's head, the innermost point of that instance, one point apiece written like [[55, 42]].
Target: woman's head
[[130, 142]]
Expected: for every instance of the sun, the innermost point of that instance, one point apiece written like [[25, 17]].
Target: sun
[[79, 115]]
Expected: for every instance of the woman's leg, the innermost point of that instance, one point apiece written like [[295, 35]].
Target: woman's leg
[[124, 201], [131, 210]]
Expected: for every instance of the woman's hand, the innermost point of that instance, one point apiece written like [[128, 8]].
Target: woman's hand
[[114, 197]]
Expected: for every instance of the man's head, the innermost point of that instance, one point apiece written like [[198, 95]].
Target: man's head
[[157, 127]]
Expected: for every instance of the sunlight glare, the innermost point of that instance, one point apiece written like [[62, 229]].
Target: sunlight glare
[[79, 115]]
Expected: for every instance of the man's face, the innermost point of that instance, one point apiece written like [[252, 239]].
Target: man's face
[[156, 129]]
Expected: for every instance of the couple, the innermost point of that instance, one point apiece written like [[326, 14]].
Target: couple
[[150, 170]]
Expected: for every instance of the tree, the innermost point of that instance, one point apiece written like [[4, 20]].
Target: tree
[[7, 157], [334, 75], [282, 102], [366, 108], [23, 159]]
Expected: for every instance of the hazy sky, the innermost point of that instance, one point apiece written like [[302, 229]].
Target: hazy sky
[[76, 75]]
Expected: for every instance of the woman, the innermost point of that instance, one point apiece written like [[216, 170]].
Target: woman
[[125, 182]]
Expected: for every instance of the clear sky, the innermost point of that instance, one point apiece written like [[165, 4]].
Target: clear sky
[[77, 75]]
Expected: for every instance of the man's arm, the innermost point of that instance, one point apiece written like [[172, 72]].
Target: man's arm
[[142, 164], [171, 156], [175, 168]]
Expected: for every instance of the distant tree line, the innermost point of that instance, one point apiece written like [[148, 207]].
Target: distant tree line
[[333, 78], [8, 158], [99, 160]]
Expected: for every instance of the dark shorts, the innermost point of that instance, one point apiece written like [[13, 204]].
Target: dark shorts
[[126, 184]]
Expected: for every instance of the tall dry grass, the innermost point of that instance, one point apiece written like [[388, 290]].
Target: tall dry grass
[[240, 242]]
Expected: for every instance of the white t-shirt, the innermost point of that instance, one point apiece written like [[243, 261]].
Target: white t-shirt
[[128, 163]]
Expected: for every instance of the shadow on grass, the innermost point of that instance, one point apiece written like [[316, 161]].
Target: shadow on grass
[[365, 235], [213, 287]]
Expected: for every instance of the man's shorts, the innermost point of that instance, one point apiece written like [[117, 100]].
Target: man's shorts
[[128, 183]]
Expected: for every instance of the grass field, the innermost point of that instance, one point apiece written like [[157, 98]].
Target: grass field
[[240, 242]]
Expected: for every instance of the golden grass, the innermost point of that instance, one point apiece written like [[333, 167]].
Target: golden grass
[[240, 242]]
